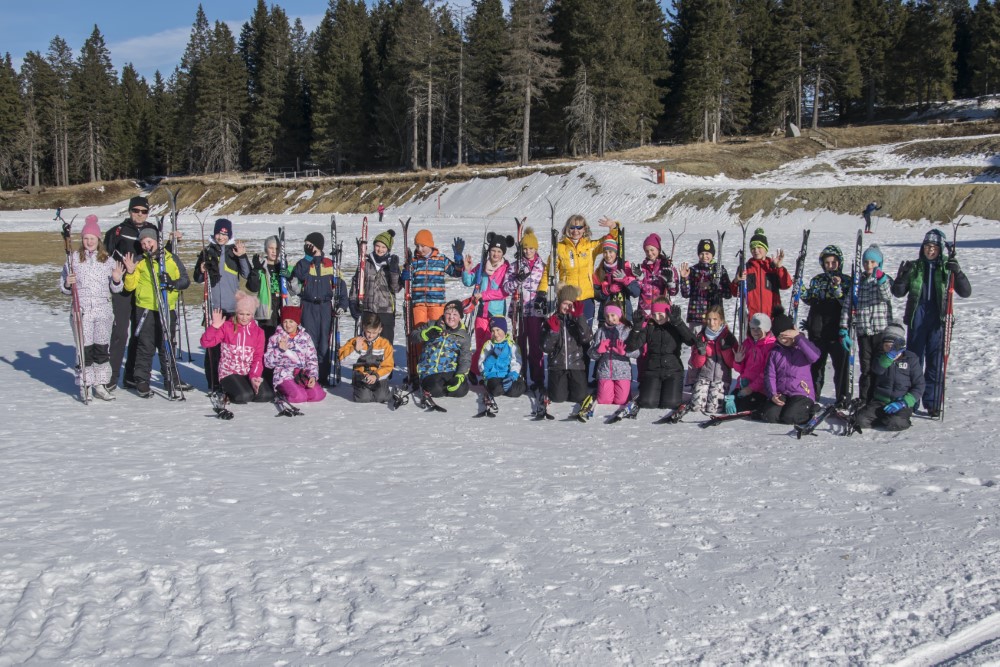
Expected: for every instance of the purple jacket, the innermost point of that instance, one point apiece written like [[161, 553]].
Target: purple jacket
[[789, 371]]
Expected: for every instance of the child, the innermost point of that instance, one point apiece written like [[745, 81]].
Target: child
[[614, 284], [524, 282], [96, 277], [500, 362], [264, 281], [788, 375], [565, 338], [322, 291], [292, 355], [750, 361], [661, 378], [241, 352], [657, 276], [873, 315], [712, 359], [490, 277], [704, 284], [826, 295], [222, 265], [899, 383], [374, 363], [765, 277], [143, 280], [446, 357], [428, 271], [924, 283], [382, 283], [614, 362]]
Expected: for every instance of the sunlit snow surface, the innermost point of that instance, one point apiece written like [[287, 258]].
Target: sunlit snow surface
[[143, 531]]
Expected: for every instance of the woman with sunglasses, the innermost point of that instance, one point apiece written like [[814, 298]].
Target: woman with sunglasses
[[576, 254]]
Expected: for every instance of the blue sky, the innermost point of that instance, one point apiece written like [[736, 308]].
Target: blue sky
[[151, 34]]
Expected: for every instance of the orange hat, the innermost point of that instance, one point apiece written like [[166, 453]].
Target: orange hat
[[424, 237]]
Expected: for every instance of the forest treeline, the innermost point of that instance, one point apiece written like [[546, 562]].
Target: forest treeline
[[415, 84]]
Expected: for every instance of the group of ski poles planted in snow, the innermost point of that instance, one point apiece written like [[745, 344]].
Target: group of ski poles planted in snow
[[575, 327]]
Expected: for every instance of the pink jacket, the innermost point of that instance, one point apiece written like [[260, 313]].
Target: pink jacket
[[755, 360], [242, 348]]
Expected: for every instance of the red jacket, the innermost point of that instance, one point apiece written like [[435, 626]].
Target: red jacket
[[764, 284], [724, 345]]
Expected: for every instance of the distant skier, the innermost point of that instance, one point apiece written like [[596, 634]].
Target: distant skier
[[867, 213]]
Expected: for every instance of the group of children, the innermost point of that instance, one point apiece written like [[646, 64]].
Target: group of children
[[506, 338]]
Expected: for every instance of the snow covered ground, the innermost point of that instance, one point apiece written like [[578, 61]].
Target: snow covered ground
[[143, 531]]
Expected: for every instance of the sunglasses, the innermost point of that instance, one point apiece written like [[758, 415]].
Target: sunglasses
[[576, 227], [143, 211]]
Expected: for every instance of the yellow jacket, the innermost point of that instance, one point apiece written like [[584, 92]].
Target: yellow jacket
[[145, 284], [377, 357], [575, 265]]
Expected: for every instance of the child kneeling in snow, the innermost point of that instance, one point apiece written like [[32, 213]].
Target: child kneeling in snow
[[899, 384], [292, 355], [750, 361], [661, 373], [614, 362], [374, 363], [500, 362], [241, 362]]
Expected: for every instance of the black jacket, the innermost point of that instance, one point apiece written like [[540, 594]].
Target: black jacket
[[663, 341]]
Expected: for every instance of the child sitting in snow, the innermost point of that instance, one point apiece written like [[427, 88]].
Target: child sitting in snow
[[899, 384], [661, 375], [712, 359], [241, 345], [374, 363], [749, 361], [500, 362], [292, 355], [614, 362], [788, 375]]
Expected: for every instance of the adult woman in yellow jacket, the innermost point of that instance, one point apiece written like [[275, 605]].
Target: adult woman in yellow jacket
[[576, 254]]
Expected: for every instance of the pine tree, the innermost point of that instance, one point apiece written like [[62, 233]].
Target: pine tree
[[339, 124], [294, 134], [876, 35], [158, 151], [11, 121], [128, 145], [530, 68], [53, 88], [985, 55], [772, 62], [487, 108], [184, 85], [36, 79], [831, 61], [924, 57], [92, 93], [220, 103]]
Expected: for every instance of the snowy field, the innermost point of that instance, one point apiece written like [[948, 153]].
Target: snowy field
[[149, 532]]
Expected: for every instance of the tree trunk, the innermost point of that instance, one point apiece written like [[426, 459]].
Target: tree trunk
[[430, 118], [91, 151], [798, 93], [819, 79], [526, 123], [461, 91], [870, 102]]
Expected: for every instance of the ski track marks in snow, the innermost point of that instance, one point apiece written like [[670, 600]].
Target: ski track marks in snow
[[357, 534]]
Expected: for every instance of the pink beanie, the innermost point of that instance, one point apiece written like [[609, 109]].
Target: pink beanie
[[652, 240], [91, 227]]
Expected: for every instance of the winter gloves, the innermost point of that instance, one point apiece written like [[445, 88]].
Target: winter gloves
[[509, 381], [541, 301], [554, 323], [457, 384], [458, 247], [845, 339], [430, 333], [952, 265], [894, 407], [730, 404]]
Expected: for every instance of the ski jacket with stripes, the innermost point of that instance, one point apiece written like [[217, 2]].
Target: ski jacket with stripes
[[301, 354], [492, 296], [223, 275], [377, 357], [320, 282], [382, 283], [427, 277], [242, 351]]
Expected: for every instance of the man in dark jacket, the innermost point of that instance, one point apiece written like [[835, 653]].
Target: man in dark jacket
[[120, 240], [899, 383], [924, 283]]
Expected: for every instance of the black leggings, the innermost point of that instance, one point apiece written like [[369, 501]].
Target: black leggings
[[240, 391]]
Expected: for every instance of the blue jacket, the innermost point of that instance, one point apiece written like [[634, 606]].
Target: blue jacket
[[498, 360]]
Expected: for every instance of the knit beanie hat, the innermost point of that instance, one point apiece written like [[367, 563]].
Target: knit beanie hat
[[761, 321], [386, 237], [246, 302], [499, 241], [610, 243], [873, 254], [781, 322], [499, 323], [568, 293], [455, 304], [937, 238], [223, 225], [652, 240], [896, 334], [706, 245], [758, 240], [293, 313], [529, 240], [135, 202], [424, 237], [316, 239], [147, 233], [91, 227], [832, 251]]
